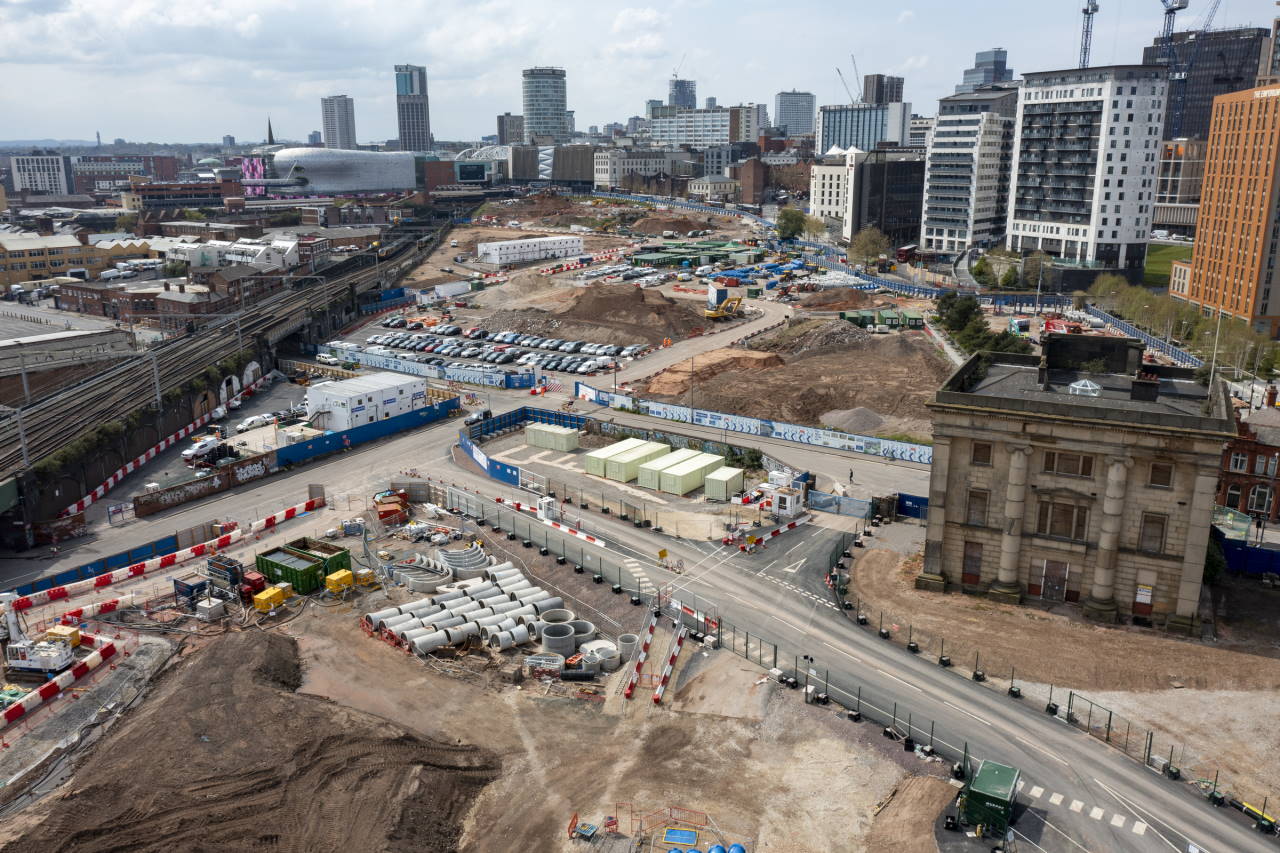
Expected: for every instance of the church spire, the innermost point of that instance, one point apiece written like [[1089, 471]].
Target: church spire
[[271, 137]]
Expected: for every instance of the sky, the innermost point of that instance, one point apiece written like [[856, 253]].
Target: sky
[[164, 71]]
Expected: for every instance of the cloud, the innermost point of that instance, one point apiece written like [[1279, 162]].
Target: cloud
[[644, 18], [905, 15], [912, 63]]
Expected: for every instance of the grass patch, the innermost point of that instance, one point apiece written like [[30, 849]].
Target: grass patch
[[905, 437], [1160, 260]]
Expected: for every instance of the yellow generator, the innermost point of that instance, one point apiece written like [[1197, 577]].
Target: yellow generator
[[339, 582], [271, 598]]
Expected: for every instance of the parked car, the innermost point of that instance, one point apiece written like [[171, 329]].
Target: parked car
[[325, 358], [199, 449], [253, 422]]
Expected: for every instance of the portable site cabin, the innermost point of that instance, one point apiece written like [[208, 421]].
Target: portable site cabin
[[648, 475], [722, 484], [551, 437], [595, 459], [888, 317], [689, 475], [864, 318], [987, 799], [912, 320], [624, 466]]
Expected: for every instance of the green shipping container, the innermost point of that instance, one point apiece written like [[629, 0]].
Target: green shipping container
[[753, 292], [722, 484], [624, 466], [335, 559], [886, 317], [688, 475], [305, 573], [988, 798], [551, 437], [595, 460], [648, 475]]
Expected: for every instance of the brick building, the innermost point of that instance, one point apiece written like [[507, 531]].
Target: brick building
[[1247, 481], [1091, 486]]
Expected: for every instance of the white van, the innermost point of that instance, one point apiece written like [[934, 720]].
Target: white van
[[325, 358]]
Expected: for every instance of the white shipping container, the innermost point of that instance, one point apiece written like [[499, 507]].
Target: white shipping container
[[532, 249]]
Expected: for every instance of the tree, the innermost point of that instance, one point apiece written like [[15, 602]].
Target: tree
[[126, 221], [1032, 267], [959, 313], [192, 215], [814, 227], [791, 223], [1079, 299], [1010, 278], [869, 244]]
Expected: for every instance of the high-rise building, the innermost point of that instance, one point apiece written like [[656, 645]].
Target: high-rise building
[[338, 118], [570, 123], [545, 105], [989, 66], [695, 128], [315, 138], [794, 112], [918, 131], [413, 109], [966, 188], [1225, 61], [1178, 186], [1237, 243], [747, 121], [510, 129], [1085, 161], [862, 125], [228, 141], [710, 103], [881, 89], [42, 173], [1269, 65], [682, 93], [653, 106], [884, 189]]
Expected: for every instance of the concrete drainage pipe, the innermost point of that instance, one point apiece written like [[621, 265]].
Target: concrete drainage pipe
[[429, 643], [627, 645], [530, 596], [545, 604], [556, 614], [461, 632], [583, 631], [441, 624], [559, 639], [378, 617], [505, 606]]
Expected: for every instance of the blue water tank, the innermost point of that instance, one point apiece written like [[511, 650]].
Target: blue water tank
[[737, 848], [717, 849]]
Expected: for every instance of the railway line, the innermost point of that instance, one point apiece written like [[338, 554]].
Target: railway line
[[51, 423]]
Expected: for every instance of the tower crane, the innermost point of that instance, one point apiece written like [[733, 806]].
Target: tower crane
[[845, 83], [857, 76], [1086, 31], [675, 73]]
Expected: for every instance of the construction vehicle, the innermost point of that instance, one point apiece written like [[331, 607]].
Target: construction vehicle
[[727, 310], [44, 657]]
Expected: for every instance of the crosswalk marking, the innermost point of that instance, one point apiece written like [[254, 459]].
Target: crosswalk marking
[[1096, 813], [1076, 805], [1055, 799], [1117, 820], [1037, 792], [1021, 783], [1139, 828]]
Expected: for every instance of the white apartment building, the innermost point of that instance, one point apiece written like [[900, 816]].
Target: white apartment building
[[828, 179], [44, 173], [794, 112], [966, 190], [614, 164], [862, 126], [338, 118], [695, 128], [1086, 154], [747, 122], [532, 249], [267, 255]]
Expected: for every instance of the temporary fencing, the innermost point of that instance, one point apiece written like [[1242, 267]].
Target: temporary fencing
[[642, 654], [671, 664], [105, 651]]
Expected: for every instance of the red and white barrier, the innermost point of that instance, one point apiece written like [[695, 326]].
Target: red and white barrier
[[572, 531], [137, 570], [671, 664], [646, 639], [98, 608], [134, 464], [790, 525], [61, 681]]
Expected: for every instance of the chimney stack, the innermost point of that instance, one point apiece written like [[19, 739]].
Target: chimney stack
[[1042, 373], [1271, 396], [182, 287], [166, 284]]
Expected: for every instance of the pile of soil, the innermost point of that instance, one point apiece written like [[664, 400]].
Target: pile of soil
[[225, 756], [608, 314], [802, 336], [655, 225], [677, 378], [837, 299], [861, 420]]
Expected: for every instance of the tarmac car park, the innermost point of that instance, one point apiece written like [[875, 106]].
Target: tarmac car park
[[446, 344]]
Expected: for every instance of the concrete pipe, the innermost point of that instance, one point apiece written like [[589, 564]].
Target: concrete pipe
[[535, 627], [524, 585], [556, 614], [485, 621], [610, 660], [477, 615], [528, 596], [460, 633], [545, 604], [528, 619], [521, 634], [583, 631], [425, 611], [442, 622], [559, 639], [501, 641], [514, 582], [466, 607], [376, 618], [446, 596], [429, 643], [500, 571], [406, 626], [409, 636], [416, 604], [507, 625], [396, 621], [505, 606], [477, 585], [486, 595], [487, 631], [627, 645], [526, 610]]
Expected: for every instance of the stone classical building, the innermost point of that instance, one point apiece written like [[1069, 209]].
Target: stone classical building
[[1085, 475]]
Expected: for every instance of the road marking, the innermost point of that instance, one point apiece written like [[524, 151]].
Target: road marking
[[1117, 820], [1037, 792], [908, 683], [1123, 802], [1096, 813], [1055, 800], [1054, 828], [843, 652], [1076, 805], [1139, 828], [966, 713], [794, 567], [1041, 749], [766, 568]]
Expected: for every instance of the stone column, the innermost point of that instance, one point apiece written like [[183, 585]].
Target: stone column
[[1006, 588], [1101, 602], [1186, 615], [933, 576]]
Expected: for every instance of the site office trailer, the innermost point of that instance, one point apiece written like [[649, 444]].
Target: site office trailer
[[624, 466], [595, 460], [366, 399], [690, 474], [532, 249], [648, 474]]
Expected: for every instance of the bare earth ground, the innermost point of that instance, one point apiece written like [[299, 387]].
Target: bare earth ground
[[892, 375], [225, 756], [1215, 700], [903, 826], [604, 313]]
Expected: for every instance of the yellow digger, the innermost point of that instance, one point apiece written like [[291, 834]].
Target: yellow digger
[[730, 308]]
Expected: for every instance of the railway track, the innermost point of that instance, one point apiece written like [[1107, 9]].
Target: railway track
[[51, 423]]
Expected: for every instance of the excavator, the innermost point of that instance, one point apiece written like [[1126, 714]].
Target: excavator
[[730, 308]]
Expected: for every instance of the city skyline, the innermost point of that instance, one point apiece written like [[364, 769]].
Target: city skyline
[[475, 67]]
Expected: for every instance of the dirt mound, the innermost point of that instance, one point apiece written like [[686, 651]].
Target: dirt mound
[[677, 378], [225, 757], [801, 336], [608, 313], [860, 420], [836, 299], [655, 225]]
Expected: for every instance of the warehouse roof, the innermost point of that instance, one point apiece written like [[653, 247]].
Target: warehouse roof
[[371, 383]]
